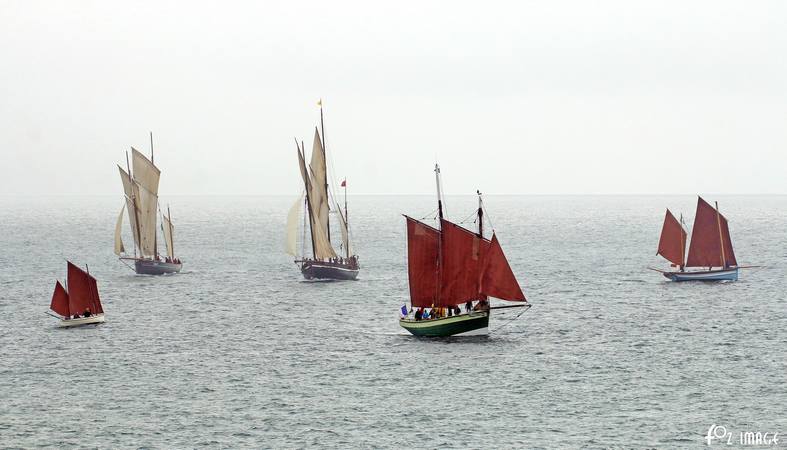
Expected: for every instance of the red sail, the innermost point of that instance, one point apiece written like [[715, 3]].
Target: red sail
[[497, 279], [461, 263], [709, 235], [422, 262], [672, 243], [82, 291], [60, 301]]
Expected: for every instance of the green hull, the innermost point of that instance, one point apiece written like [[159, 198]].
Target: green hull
[[475, 323]]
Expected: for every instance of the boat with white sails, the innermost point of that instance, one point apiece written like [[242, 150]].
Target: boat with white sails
[[317, 205], [140, 187], [78, 303]]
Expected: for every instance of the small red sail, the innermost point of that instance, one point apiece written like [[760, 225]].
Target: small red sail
[[60, 301], [462, 259], [709, 235], [82, 291], [497, 279], [672, 243], [422, 262]]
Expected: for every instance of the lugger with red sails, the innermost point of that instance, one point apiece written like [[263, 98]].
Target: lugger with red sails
[[710, 247], [78, 303], [451, 268]]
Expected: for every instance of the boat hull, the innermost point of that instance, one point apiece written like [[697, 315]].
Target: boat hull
[[328, 271], [476, 323], [152, 267], [705, 275], [70, 323]]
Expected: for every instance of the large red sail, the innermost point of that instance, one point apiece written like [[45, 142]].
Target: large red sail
[[60, 301], [709, 235], [497, 279], [82, 291], [461, 262], [672, 243], [422, 262]]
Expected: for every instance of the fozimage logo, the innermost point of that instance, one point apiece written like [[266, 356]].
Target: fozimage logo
[[718, 434]]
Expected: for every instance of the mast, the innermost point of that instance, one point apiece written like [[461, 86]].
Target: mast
[[171, 238], [439, 194], [721, 237], [480, 215], [322, 137], [682, 246], [151, 148], [134, 204], [302, 156], [346, 220], [155, 234]]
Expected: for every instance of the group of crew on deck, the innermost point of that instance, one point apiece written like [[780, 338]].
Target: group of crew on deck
[[352, 260], [439, 313], [87, 313], [167, 259]]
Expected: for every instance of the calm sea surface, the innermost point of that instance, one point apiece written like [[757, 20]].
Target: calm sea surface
[[239, 351]]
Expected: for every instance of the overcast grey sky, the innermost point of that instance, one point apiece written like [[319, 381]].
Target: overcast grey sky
[[520, 97]]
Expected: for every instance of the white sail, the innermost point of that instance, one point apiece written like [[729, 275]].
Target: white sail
[[168, 229], [131, 190], [319, 175], [292, 227], [322, 247], [119, 249], [146, 175], [345, 231]]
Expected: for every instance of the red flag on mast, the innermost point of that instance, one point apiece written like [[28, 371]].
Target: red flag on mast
[[344, 182]]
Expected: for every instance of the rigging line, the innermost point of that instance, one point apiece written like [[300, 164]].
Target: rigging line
[[511, 320]]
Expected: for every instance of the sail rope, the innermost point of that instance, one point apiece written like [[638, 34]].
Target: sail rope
[[526, 309]]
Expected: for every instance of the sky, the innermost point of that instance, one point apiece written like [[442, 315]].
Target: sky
[[528, 97]]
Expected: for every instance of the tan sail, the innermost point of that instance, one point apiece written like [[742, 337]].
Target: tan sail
[[169, 230], [119, 249], [322, 247], [293, 217], [131, 190], [319, 175], [345, 231], [146, 175]]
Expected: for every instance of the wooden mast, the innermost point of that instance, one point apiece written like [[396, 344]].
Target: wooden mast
[[171, 238], [682, 246], [302, 155], [155, 234], [721, 237], [346, 221], [440, 227], [480, 215], [322, 137], [136, 215]]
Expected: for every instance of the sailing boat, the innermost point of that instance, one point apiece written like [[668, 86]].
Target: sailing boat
[[141, 203], [710, 248], [453, 266], [325, 263], [80, 304]]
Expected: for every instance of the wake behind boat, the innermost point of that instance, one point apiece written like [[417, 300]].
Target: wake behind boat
[[710, 248], [80, 303], [141, 202], [326, 263], [453, 267]]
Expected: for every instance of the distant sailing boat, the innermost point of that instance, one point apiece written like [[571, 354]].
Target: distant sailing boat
[[710, 246], [80, 304], [453, 266], [325, 262], [141, 193]]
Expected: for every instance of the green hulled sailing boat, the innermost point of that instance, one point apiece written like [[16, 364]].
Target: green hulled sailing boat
[[453, 272]]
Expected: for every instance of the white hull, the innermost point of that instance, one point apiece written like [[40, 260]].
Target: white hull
[[68, 323]]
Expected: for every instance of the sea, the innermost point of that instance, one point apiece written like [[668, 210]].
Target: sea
[[239, 351]]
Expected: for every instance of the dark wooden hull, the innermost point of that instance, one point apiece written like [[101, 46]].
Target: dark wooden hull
[[476, 323], [320, 270], [151, 267]]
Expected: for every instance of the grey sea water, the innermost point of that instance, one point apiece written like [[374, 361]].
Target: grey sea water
[[239, 351]]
